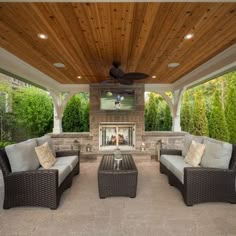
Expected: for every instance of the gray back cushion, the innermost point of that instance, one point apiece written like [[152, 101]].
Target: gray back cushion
[[44, 139], [22, 156], [217, 154], [187, 142]]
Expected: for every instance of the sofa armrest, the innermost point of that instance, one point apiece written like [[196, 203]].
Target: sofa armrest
[[64, 153], [209, 184], [171, 152], [32, 180]]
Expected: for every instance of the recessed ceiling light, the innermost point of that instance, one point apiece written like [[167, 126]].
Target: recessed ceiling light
[[59, 65], [42, 36], [173, 65], [188, 36], [79, 77], [153, 77]]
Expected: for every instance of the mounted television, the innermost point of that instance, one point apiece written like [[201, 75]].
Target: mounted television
[[117, 99]]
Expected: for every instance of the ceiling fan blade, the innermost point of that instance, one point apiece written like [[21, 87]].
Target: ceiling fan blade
[[126, 81], [135, 75], [116, 73]]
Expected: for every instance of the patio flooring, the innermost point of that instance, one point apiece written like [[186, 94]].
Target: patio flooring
[[158, 209]]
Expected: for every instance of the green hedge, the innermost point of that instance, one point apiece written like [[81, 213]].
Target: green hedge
[[5, 143]]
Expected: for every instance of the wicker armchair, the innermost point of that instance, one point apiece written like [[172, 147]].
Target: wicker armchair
[[204, 184], [34, 188]]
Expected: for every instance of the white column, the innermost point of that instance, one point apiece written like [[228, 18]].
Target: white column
[[176, 124], [176, 101], [59, 101], [57, 123]]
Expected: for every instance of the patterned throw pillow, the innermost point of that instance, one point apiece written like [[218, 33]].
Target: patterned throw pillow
[[45, 156], [194, 154]]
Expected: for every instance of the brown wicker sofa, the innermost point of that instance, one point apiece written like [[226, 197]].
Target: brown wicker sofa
[[40, 187], [200, 184]]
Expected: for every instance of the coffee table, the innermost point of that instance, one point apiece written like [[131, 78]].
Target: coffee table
[[120, 181]]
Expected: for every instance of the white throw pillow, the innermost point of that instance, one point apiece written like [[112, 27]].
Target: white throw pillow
[[45, 156], [194, 154]]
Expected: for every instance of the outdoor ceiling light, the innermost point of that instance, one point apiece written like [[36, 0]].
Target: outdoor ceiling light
[[79, 77], [153, 77], [188, 36], [42, 36], [59, 65], [173, 65]]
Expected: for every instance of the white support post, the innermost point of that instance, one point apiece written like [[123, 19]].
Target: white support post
[[57, 123], [59, 101], [176, 124], [176, 101]]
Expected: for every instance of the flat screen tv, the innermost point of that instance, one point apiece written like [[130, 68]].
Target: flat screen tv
[[117, 99]]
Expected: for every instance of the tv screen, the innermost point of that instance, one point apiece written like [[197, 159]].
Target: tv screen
[[117, 99]]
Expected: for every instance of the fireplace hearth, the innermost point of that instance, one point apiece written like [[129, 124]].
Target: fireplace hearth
[[117, 135]]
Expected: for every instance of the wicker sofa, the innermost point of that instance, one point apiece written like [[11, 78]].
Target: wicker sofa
[[37, 187], [201, 184]]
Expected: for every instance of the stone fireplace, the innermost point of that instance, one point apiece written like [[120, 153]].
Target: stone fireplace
[[112, 129], [117, 135]]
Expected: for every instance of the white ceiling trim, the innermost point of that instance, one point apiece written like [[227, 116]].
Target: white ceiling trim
[[218, 65]]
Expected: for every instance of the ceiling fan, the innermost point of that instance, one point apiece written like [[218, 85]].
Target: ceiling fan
[[117, 75]]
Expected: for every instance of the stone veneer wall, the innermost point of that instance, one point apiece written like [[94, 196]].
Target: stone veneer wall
[[170, 140], [64, 141], [97, 115]]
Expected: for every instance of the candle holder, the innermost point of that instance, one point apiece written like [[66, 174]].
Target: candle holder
[[75, 145], [142, 148], [88, 147]]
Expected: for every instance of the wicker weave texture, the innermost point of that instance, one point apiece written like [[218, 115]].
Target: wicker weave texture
[[32, 188], [113, 182], [203, 184]]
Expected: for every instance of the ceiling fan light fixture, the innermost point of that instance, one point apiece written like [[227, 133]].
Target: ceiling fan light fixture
[[42, 36], [59, 65], [188, 36], [173, 65]]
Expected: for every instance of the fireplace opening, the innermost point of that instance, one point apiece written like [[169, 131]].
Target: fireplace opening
[[117, 136]]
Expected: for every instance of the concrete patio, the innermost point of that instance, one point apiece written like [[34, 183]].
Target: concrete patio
[[158, 209]]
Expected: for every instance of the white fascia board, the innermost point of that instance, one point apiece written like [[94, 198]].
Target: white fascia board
[[18, 67], [218, 65]]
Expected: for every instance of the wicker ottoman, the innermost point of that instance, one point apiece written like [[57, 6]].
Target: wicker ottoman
[[117, 182]]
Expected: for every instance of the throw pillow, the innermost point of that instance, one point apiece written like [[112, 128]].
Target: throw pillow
[[195, 153], [22, 156], [48, 139], [187, 142], [217, 154], [45, 156]]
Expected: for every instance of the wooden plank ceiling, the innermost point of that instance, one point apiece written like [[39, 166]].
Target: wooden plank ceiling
[[144, 37]]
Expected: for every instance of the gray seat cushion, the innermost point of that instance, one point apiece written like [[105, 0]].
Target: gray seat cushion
[[44, 139], [187, 142], [22, 156], [217, 154], [63, 171], [175, 164], [167, 159], [68, 160]]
